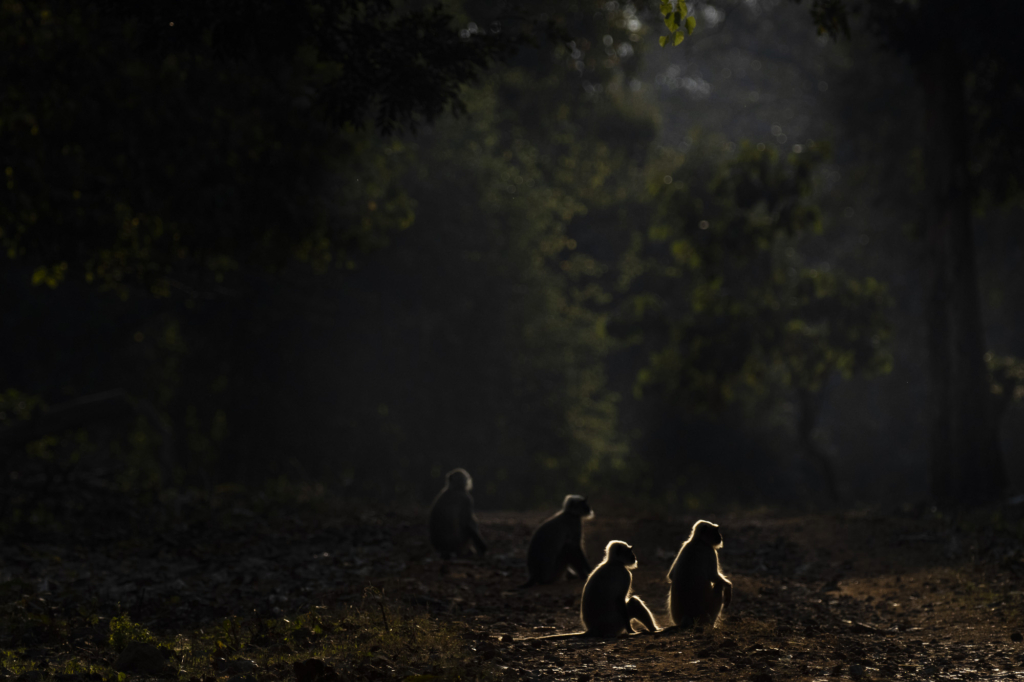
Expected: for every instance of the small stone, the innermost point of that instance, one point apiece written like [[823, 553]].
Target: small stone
[[858, 672]]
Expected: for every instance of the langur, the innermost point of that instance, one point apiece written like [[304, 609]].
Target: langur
[[557, 545], [607, 608], [452, 524], [698, 590]]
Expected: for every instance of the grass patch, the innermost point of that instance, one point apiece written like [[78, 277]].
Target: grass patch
[[373, 639], [378, 637]]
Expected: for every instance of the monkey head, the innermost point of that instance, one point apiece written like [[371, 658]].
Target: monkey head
[[577, 506], [459, 479], [617, 550], [708, 532]]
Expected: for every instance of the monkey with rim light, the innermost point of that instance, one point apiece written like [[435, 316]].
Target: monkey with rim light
[[698, 590], [607, 607], [557, 545]]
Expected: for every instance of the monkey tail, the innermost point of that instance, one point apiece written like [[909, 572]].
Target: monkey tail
[[563, 635]]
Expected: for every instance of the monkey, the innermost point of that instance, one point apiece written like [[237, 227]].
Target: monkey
[[607, 608], [698, 590], [452, 524], [557, 544]]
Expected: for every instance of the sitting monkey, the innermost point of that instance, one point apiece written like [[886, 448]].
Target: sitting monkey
[[557, 544], [698, 590], [452, 524]]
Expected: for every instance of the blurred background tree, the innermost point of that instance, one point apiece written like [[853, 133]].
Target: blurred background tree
[[730, 310], [298, 264], [968, 71], [178, 141]]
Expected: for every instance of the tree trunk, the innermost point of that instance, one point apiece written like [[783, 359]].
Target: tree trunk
[[966, 468]]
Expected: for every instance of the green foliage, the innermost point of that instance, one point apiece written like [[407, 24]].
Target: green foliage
[[831, 17], [166, 146], [726, 292], [677, 20], [499, 366], [494, 224], [123, 631]]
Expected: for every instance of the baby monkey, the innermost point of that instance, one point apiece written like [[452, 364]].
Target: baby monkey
[[698, 590]]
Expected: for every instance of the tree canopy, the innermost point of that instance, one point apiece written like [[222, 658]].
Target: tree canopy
[[165, 144]]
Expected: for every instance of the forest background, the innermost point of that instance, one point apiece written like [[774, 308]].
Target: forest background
[[354, 248]]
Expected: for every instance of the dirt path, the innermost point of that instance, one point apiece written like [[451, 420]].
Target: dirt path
[[815, 597], [852, 596]]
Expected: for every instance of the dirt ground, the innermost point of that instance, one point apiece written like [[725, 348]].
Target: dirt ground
[[866, 595], [815, 597]]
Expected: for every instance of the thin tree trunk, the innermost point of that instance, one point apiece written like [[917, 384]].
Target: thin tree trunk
[[966, 468]]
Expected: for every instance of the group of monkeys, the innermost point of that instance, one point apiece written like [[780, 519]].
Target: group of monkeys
[[697, 593]]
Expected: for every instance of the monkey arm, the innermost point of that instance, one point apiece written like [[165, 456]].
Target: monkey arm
[[478, 542], [474, 535], [636, 608], [471, 528], [624, 617], [578, 560], [726, 590]]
